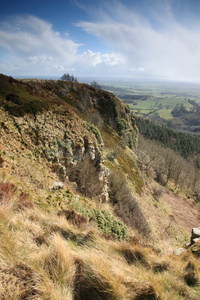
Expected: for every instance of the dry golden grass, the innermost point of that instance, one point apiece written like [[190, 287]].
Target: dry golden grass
[[43, 256]]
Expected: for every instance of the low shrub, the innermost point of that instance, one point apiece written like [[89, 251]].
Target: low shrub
[[73, 217], [110, 226], [104, 220], [157, 192], [23, 202], [19, 282], [19, 106]]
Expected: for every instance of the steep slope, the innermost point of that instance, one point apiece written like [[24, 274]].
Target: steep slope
[[49, 126], [80, 241]]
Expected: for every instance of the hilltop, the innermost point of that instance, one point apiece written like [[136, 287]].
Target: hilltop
[[79, 218]]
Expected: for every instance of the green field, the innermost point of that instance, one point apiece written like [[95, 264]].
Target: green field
[[154, 98]]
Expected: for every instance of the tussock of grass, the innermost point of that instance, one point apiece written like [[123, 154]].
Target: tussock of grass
[[134, 255], [90, 284], [191, 274]]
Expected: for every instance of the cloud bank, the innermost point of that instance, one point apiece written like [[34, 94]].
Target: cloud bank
[[36, 49], [156, 42], [153, 40]]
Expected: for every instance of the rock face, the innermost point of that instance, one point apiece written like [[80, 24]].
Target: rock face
[[72, 148], [60, 124]]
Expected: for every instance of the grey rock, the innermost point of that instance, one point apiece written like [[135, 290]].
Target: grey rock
[[195, 232], [179, 251], [58, 185], [196, 240]]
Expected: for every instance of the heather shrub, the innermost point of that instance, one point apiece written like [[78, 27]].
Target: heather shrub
[[7, 190], [1, 162]]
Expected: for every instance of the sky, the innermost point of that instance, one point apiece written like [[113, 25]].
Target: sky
[[136, 39]]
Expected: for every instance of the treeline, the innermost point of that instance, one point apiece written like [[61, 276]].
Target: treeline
[[139, 97], [187, 145], [67, 77]]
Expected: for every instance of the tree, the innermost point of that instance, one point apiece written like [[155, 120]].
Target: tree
[[95, 84], [67, 77]]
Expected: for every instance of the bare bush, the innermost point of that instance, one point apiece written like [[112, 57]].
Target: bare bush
[[126, 205], [95, 84], [157, 192]]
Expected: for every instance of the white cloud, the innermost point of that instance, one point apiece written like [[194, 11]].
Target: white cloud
[[113, 59], [140, 69], [151, 42], [35, 48], [157, 42], [91, 57]]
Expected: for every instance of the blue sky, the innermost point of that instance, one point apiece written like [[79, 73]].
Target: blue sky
[[150, 39]]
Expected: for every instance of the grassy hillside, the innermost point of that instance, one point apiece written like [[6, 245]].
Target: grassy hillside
[[105, 234]]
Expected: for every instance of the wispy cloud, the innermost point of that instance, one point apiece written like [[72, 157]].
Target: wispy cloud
[[156, 42], [35, 48], [153, 39]]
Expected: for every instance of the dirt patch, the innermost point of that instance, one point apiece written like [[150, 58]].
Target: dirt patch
[[184, 213]]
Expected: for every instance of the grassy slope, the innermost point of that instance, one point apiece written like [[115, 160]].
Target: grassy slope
[[44, 256]]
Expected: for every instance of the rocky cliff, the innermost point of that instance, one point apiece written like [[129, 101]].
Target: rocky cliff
[[94, 235], [57, 120]]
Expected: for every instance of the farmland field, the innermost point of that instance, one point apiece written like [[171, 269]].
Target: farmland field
[[175, 104], [149, 97]]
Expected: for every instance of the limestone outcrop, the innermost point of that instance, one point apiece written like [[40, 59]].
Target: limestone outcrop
[[70, 146], [60, 121]]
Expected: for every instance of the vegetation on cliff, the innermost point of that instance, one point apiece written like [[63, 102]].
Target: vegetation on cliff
[[103, 234]]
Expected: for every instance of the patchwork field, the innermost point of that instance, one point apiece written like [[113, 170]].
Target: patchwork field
[[147, 98]]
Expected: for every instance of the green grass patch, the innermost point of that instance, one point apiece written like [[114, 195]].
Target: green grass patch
[[106, 223], [165, 114]]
